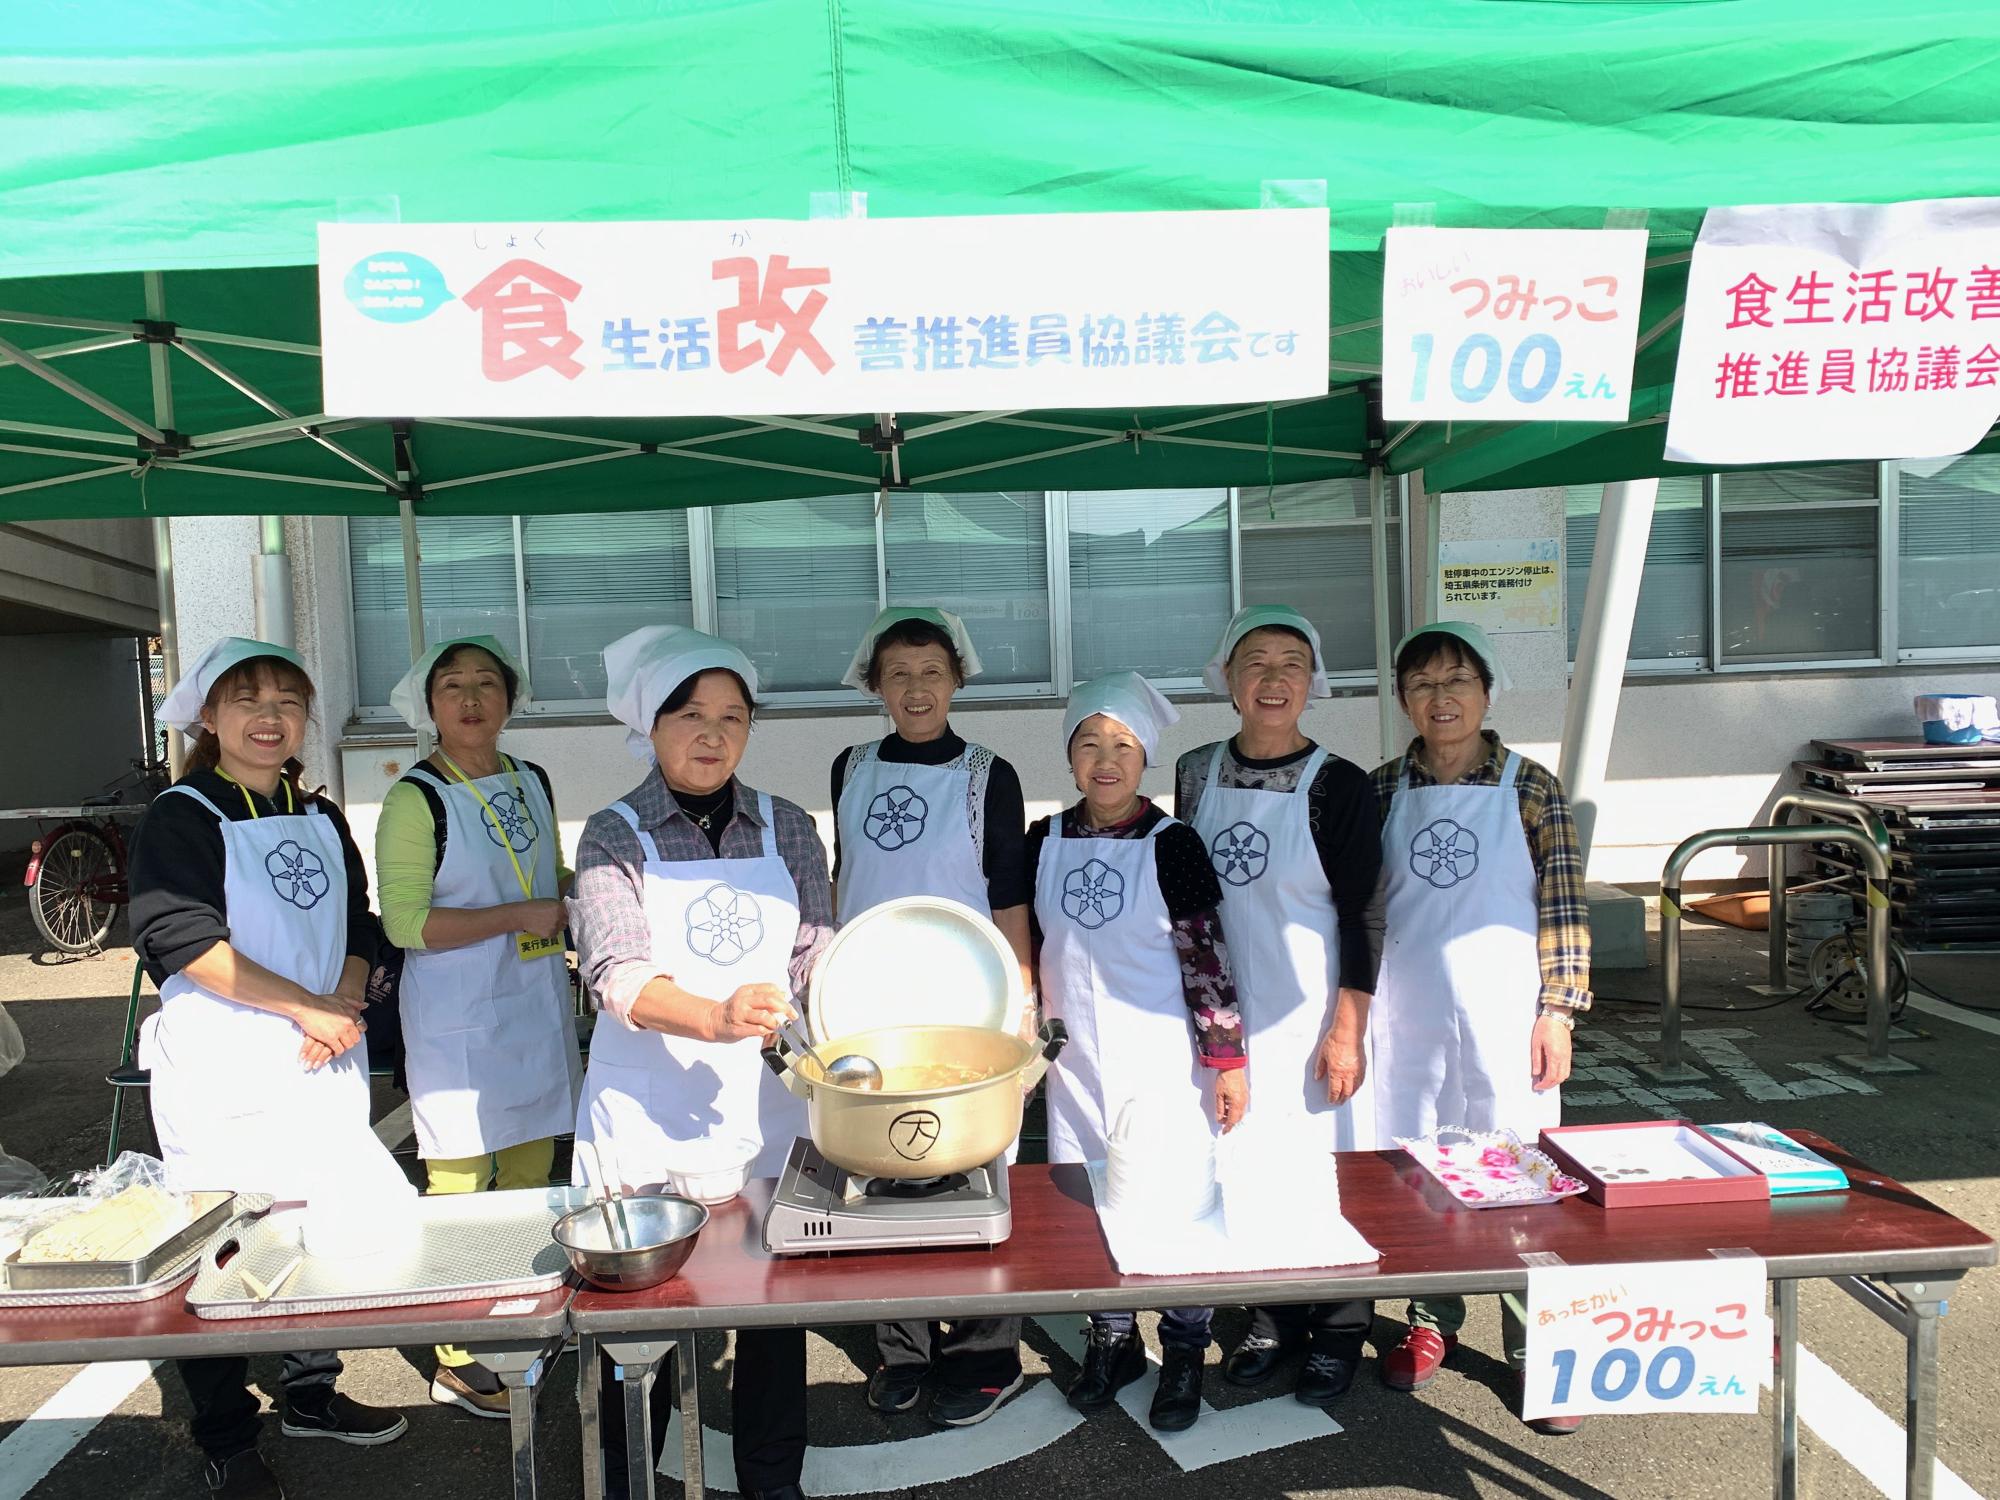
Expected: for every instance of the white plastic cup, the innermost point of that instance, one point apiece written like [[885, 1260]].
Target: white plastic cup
[[712, 1170]]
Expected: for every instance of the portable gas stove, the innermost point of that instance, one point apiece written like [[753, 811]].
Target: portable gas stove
[[819, 1207]]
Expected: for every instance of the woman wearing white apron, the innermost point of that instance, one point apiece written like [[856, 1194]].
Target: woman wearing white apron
[[1293, 834], [923, 813], [700, 907], [250, 912], [1131, 956], [1486, 951], [470, 865]]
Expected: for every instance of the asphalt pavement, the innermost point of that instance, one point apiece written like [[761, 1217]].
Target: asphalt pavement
[[67, 1433]]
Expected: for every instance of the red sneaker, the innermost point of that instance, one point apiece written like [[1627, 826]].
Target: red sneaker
[[1414, 1363], [1546, 1426]]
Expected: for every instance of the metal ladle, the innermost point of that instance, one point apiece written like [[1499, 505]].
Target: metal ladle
[[850, 1070]]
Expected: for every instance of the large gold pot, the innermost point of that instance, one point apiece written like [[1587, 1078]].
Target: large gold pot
[[920, 1132]]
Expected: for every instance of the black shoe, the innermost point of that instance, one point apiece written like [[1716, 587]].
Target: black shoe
[[782, 1492], [343, 1420], [1324, 1379], [1177, 1402], [243, 1476], [1110, 1363], [1251, 1361], [895, 1388], [966, 1405]]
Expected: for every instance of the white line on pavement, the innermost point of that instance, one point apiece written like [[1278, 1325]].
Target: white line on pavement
[[1861, 1432], [394, 1128], [64, 1420], [1944, 1010]]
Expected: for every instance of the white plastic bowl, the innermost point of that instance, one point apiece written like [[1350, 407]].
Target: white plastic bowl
[[711, 1171]]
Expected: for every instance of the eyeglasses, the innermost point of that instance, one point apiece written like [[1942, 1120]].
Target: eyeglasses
[[1458, 682]]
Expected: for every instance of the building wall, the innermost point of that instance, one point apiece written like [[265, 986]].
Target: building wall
[[93, 574]]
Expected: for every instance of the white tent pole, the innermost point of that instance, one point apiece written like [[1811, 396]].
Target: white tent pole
[[163, 540], [1385, 643], [15, 354], [1624, 523], [271, 584]]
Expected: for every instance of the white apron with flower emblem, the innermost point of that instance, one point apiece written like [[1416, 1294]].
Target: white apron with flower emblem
[[1110, 973], [233, 1105], [717, 924], [1454, 1013], [905, 831]]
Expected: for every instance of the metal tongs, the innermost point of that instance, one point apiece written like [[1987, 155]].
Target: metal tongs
[[616, 1227]]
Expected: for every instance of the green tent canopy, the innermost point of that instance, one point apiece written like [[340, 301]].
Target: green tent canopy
[[167, 167]]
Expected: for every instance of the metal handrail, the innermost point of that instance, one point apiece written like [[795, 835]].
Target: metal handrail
[[1870, 839]]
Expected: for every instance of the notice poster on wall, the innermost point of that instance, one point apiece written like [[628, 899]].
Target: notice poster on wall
[[1510, 586]]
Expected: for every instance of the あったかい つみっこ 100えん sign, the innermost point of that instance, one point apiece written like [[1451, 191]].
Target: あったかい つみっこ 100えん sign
[[778, 316]]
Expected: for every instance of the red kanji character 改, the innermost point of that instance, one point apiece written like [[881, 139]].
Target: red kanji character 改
[[1837, 373], [1927, 295], [1810, 293], [1888, 370], [1514, 299], [1869, 296], [524, 307], [1595, 314], [1624, 1321], [1983, 368], [1753, 302], [1480, 288], [1742, 1314], [1788, 375], [1982, 293], [1937, 368], [1737, 375], [770, 311], [1654, 1325]]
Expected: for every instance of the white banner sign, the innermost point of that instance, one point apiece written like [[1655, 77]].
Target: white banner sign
[[1647, 1337], [1510, 325], [1839, 330], [1514, 585], [766, 316]]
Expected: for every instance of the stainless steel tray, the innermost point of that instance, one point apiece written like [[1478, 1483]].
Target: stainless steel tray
[[109, 1283], [468, 1247]]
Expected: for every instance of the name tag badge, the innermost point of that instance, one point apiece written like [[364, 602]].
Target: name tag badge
[[529, 947]]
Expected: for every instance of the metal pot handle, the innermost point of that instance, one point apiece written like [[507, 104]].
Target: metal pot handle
[[777, 1055], [1054, 1036]]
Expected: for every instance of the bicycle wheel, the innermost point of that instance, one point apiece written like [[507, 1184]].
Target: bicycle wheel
[[1840, 971], [68, 899]]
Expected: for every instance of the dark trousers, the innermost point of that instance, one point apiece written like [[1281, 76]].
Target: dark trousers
[[975, 1352], [1180, 1327], [226, 1414], [1336, 1328], [767, 1397]]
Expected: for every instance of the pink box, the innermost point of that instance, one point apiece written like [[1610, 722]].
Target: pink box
[[1653, 1164]]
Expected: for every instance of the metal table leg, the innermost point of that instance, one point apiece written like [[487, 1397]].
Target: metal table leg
[[1926, 1305], [637, 1364], [589, 1419], [1785, 1392], [687, 1359], [520, 1371]]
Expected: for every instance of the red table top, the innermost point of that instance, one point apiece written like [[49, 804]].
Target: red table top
[[1057, 1257]]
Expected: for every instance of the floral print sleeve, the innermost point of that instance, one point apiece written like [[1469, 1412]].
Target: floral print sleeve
[[1210, 990]]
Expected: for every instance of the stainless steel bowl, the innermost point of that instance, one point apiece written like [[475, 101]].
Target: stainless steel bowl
[[663, 1230]]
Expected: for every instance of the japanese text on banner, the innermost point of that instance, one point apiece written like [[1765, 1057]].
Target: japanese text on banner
[[1824, 331], [1648, 1337], [770, 316], [1510, 325]]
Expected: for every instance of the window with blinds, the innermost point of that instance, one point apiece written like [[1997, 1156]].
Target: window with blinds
[[795, 585], [985, 558], [589, 579], [1948, 576], [1148, 579], [1307, 545], [1670, 621], [1799, 573], [467, 572]]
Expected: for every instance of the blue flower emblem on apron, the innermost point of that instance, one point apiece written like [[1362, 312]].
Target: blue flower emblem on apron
[[1240, 853], [511, 814], [1444, 853], [1093, 894], [724, 924], [297, 875], [896, 818]]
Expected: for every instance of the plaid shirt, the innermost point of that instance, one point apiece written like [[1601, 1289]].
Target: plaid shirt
[[1564, 935], [614, 941]]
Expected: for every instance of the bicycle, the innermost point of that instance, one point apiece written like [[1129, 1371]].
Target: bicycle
[[76, 874]]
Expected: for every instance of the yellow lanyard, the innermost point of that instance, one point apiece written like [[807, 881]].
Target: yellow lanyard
[[499, 830], [291, 803]]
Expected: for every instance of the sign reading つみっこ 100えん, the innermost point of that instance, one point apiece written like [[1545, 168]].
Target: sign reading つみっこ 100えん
[[755, 317]]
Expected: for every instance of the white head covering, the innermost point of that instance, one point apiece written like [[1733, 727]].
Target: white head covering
[[944, 619], [410, 700], [1257, 617], [182, 707], [1128, 698], [1473, 639], [642, 670]]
